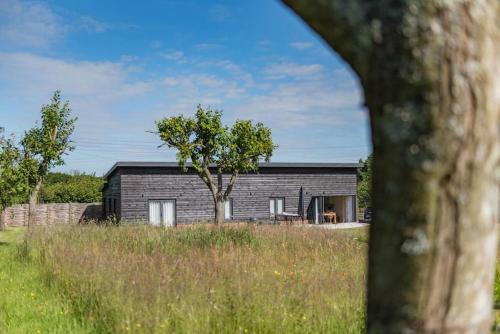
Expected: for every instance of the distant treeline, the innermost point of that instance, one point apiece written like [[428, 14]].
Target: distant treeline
[[74, 187]]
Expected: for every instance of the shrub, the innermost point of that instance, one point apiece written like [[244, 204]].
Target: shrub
[[76, 188]]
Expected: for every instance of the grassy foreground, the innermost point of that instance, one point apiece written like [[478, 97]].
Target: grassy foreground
[[27, 305], [142, 279]]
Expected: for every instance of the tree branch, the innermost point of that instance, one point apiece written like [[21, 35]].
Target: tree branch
[[229, 188], [344, 25], [209, 181], [219, 182]]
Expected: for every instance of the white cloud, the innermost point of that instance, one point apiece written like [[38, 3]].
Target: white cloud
[[208, 46], [301, 45], [264, 42], [90, 24], [307, 101], [283, 70], [156, 44], [229, 66], [177, 56], [36, 25], [93, 89], [219, 12], [303, 104], [236, 70], [100, 80], [202, 88], [29, 24]]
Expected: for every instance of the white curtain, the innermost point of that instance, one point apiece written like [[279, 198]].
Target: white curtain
[[349, 209], [154, 212], [168, 213], [280, 206], [271, 207], [227, 209]]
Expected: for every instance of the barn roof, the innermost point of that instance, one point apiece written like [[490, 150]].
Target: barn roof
[[152, 164]]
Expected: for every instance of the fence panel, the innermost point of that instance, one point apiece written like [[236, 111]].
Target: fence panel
[[52, 213]]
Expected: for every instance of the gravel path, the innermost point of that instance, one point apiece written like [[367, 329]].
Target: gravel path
[[339, 225]]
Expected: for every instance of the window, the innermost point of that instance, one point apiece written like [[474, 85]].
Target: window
[[228, 209], [276, 206], [109, 209], [162, 212], [114, 206]]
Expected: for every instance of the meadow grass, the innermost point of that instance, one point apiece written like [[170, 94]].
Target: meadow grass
[[264, 279], [27, 305], [140, 279]]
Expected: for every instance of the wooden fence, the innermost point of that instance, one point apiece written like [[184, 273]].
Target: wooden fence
[[52, 213]]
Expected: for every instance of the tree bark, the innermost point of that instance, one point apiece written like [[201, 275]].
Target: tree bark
[[219, 212], [2, 222], [431, 77], [33, 201]]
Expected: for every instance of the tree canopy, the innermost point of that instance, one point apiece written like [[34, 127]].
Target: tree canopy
[[45, 144], [365, 182], [13, 182]]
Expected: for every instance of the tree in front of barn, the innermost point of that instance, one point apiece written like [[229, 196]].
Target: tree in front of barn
[[13, 185], [44, 146], [365, 182], [211, 146], [430, 72]]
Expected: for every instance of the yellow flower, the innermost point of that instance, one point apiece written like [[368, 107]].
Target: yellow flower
[[277, 273]]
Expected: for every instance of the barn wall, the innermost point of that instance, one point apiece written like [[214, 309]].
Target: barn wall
[[250, 194], [111, 196]]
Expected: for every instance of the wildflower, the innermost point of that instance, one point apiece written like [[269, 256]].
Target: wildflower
[[277, 273]]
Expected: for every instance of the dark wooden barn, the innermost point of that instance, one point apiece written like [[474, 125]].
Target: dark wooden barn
[[160, 193]]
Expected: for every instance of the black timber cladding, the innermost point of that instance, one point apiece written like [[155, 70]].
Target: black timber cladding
[[140, 182]]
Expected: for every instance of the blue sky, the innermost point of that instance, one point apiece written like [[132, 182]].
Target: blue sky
[[124, 64]]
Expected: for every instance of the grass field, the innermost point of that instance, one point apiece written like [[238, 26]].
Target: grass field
[[27, 305], [199, 280], [139, 279]]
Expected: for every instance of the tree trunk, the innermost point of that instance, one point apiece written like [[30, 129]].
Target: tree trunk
[[219, 212], [2, 222], [435, 121], [33, 201], [431, 77]]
